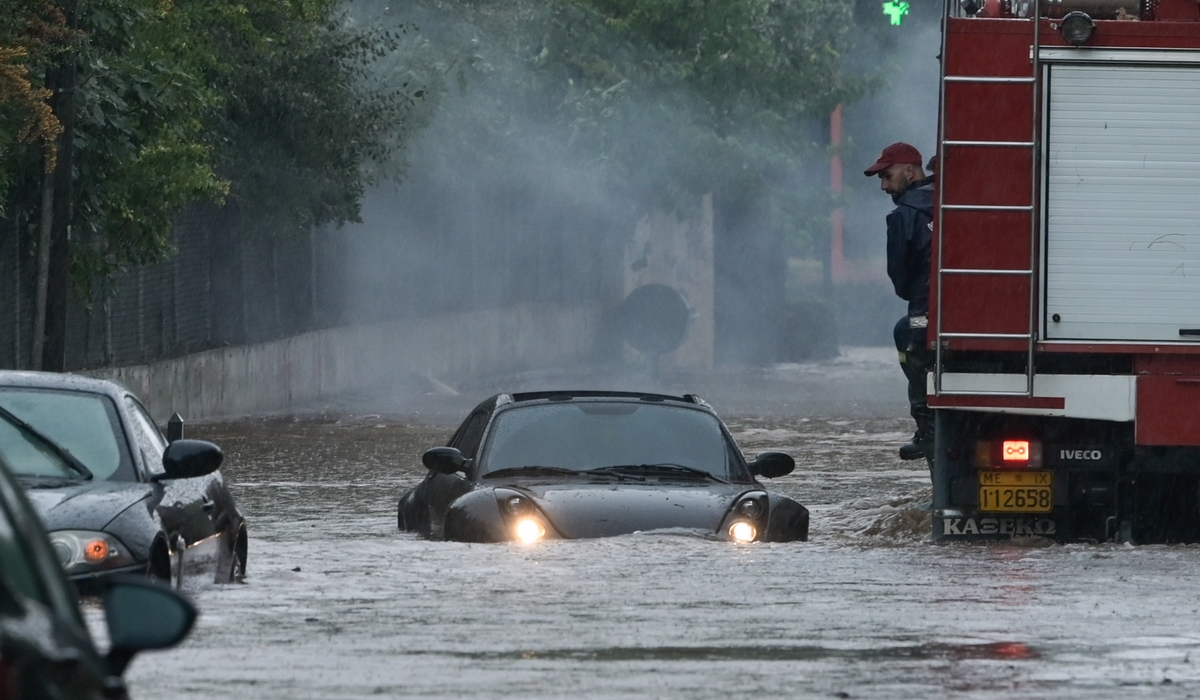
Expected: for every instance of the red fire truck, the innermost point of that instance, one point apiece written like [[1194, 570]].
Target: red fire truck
[[1065, 294]]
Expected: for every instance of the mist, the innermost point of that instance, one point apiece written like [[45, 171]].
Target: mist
[[496, 206], [907, 110]]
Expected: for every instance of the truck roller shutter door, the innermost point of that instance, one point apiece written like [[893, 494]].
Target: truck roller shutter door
[[1122, 203]]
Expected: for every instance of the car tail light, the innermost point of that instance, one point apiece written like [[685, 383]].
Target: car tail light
[[1017, 453]]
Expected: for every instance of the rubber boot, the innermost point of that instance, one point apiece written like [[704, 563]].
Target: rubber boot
[[918, 448], [922, 440], [914, 362]]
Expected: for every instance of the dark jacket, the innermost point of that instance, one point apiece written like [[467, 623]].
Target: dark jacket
[[909, 240]]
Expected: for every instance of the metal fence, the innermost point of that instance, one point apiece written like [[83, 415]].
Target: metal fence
[[423, 251], [218, 289]]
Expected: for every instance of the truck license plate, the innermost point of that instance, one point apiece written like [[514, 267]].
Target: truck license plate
[[1016, 491]]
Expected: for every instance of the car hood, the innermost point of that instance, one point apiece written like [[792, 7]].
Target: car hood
[[604, 510], [87, 505]]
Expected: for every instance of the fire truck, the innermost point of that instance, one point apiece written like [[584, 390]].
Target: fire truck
[[1064, 320]]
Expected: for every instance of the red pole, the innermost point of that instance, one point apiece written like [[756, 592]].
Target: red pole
[[837, 258]]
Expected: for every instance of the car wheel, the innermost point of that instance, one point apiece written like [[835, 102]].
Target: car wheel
[[177, 569], [160, 563], [236, 573], [406, 512]]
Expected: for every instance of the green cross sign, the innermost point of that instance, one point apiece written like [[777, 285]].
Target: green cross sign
[[896, 10]]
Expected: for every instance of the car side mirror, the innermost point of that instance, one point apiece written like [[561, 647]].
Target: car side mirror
[[142, 615], [444, 460], [186, 459], [772, 464]]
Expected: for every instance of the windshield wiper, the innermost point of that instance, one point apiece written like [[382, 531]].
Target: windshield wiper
[[537, 469], [71, 460], [613, 471], [530, 470], [667, 468]]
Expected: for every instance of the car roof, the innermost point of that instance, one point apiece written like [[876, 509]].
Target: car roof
[[566, 395], [63, 381]]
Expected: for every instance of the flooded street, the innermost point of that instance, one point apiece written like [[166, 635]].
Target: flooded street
[[339, 604]]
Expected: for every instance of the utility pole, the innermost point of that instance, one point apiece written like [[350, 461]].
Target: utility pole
[[58, 280], [837, 254]]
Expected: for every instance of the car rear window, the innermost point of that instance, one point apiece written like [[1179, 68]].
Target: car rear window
[[86, 424], [590, 435]]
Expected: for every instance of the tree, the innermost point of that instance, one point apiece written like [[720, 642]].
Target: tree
[[301, 118], [31, 32], [265, 101], [142, 149], [592, 113], [656, 101], [169, 103]]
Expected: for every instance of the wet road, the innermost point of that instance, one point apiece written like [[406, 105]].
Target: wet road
[[338, 604]]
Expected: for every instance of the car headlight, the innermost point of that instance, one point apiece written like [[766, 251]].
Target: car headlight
[[751, 508], [516, 505], [529, 530], [85, 551], [747, 519], [742, 531], [522, 519]]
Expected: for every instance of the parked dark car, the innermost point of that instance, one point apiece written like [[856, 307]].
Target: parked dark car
[[584, 464], [45, 649], [114, 496]]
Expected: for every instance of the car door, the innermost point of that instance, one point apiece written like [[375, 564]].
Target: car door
[[443, 489], [188, 508]]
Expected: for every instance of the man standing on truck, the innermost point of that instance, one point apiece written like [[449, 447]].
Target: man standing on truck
[[909, 235]]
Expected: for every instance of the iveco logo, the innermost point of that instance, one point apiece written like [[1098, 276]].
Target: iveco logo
[[1094, 455]]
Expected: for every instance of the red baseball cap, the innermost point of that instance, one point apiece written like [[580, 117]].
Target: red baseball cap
[[898, 152]]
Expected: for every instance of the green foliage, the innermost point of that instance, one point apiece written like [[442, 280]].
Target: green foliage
[[141, 150], [739, 86], [266, 104], [32, 32], [300, 122], [648, 103]]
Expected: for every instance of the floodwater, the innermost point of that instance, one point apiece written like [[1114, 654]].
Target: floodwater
[[338, 604]]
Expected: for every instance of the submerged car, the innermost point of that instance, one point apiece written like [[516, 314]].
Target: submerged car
[[115, 496], [45, 648], [583, 464]]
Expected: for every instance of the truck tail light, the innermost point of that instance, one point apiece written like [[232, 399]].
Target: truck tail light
[[1008, 454], [1014, 451]]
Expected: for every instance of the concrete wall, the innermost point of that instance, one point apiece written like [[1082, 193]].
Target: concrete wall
[[678, 253], [275, 375]]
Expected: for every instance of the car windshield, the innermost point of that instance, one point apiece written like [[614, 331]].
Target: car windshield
[[594, 435], [84, 424]]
